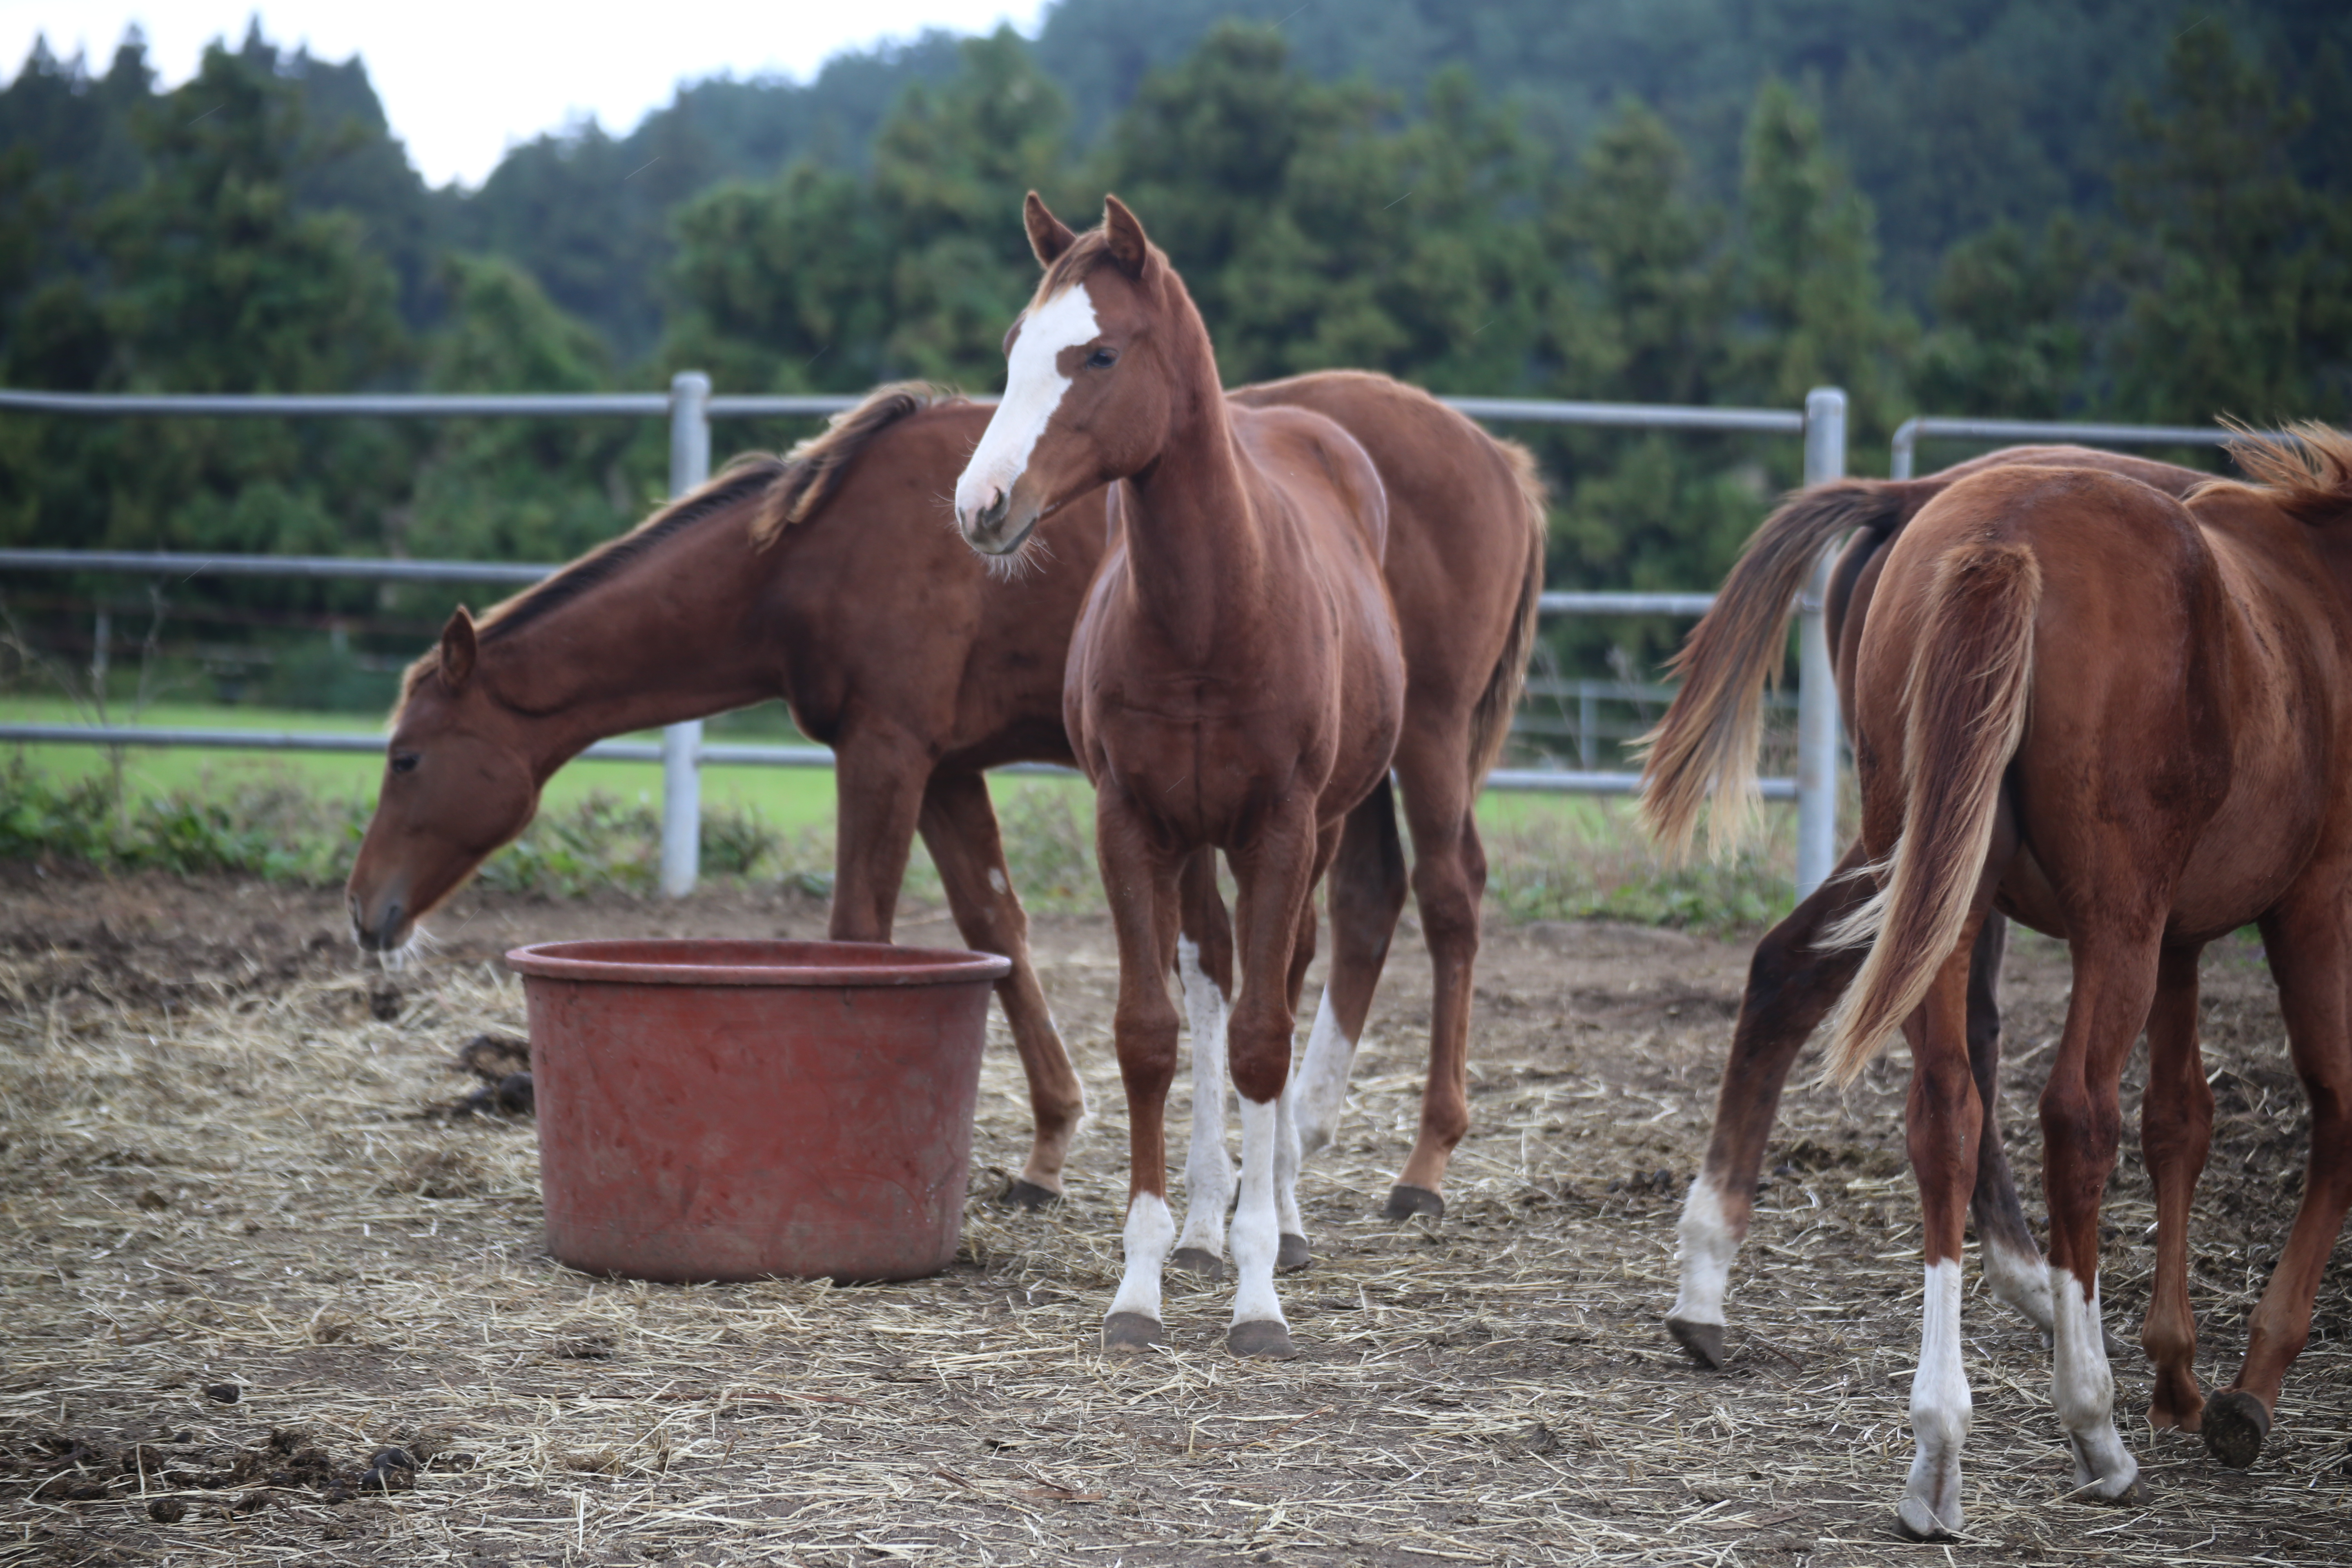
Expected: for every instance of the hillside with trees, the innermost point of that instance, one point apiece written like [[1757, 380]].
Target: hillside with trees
[[2078, 209]]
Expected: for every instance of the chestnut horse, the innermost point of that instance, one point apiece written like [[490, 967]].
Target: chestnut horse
[[1705, 748], [1237, 681], [2126, 719], [827, 579]]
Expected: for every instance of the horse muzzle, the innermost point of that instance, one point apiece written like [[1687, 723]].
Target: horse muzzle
[[383, 929], [989, 526]]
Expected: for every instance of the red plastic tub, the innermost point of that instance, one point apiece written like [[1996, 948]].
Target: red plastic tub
[[738, 1109]]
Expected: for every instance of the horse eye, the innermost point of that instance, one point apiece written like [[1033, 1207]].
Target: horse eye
[[403, 762], [1102, 358]]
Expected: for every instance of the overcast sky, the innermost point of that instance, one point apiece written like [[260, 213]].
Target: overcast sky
[[462, 79]]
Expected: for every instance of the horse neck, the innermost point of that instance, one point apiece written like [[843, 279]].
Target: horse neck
[[668, 638], [1191, 525]]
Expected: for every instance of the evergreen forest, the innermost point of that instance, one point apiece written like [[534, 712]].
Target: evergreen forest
[[2037, 208]]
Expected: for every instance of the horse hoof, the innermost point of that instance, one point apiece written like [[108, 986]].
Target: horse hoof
[[1025, 1195], [1405, 1203], [2235, 1424], [1265, 1338], [1915, 1521], [1131, 1331], [1291, 1254], [1703, 1340], [1198, 1260]]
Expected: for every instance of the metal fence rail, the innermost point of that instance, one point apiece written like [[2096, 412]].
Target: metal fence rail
[[1911, 432], [690, 406]]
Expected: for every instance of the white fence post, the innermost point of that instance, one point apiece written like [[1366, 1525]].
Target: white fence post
[[1817, 710], [689, 465]]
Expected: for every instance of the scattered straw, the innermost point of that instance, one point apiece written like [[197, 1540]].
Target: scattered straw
[[232, 1187]]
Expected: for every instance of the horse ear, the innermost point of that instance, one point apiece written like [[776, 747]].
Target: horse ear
[[1129, 246], [1048, 236], [457, 649]]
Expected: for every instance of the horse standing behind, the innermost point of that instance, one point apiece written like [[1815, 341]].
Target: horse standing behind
[[826, 578], [1237, 681], [1705, 749], [2126, 721]]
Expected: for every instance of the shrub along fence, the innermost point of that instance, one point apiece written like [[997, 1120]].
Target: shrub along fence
[[690, 406]]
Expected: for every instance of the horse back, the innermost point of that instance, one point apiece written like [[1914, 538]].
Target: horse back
[[2188, 682], [889, 620]]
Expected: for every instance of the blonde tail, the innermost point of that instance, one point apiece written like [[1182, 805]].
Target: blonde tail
[[1965, 707]]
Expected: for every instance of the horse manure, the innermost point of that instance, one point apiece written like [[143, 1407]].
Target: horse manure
[[492, 1058], [223, 1393], [383, 1002], [167, 1510]]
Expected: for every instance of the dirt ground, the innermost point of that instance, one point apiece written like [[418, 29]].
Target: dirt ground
[[249, 1249]]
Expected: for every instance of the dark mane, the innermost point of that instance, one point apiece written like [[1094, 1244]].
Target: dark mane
[[2307, 476], [743, 478], [811, 471]]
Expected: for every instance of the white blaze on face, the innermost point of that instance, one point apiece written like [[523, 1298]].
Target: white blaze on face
[[1034, 385]]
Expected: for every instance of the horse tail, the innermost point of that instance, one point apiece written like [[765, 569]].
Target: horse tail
[[813, 470], [1490, 720], [1705, 748], [1964, 706]]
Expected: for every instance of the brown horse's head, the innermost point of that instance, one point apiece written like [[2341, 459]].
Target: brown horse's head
[[458, 783], [1092, 368]]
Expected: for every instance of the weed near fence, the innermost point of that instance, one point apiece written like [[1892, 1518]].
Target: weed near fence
[[1564, 859]]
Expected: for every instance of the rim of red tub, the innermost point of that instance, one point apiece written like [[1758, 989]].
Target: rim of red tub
[[699, 960]]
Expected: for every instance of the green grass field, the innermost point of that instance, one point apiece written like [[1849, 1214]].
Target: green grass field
[[1550, 856]]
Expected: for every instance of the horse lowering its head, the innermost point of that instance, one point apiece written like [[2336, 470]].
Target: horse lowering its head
[[456, 785], [488, 715], [1106, 350]]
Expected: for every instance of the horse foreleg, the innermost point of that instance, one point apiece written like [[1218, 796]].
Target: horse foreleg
[[1449, 876], [2176, 1129], [1204, 965], [1791, 986], [959, 826], [1367, 892], [2309, 946], [877, 788], [1140, 883], [1276, 878]]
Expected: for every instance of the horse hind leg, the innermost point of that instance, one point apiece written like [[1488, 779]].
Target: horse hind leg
[[1367, 895], [1943, 1123], [2309, 946], [1791, 986], [1449, 875], [1291, 1250], [1204, 969], [2011, 1259], [1276, 877], [2114, 981], [2176, 1133]]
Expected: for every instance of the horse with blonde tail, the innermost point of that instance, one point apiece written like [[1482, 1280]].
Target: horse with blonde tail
[[1235, 682], [2125, 720]]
